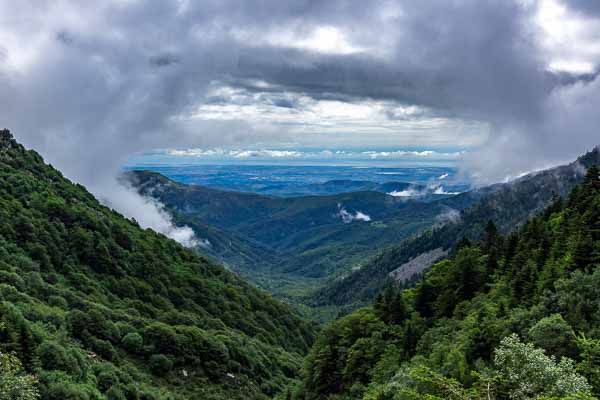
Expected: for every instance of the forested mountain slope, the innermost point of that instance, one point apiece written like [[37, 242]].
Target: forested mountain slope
[[95, 307], [513, 317], [507, 205]]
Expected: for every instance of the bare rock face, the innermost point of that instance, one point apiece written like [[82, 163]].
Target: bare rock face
[[417, 265]]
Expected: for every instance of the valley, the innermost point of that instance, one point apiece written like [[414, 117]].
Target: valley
[[291, 245], [335, 251]]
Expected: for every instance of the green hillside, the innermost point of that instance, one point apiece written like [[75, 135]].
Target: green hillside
[[95, 307], [513, 317], [507, 205]]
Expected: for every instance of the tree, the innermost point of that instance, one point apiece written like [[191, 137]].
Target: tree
[[425, 296], [397, 309], [14, 384], [462, 243], [490, 236], [583, 253], [160, 364], [390, 307], [554, 335], [133, 342], [592, 178], [419, 382], [531, 373], [590, 364]]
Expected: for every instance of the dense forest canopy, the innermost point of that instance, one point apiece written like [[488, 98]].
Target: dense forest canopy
[[509, 317], [92, 306]]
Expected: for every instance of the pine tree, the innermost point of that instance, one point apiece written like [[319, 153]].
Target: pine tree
[[426, 295], [27, 349], [397, 309], [380, 307], [583, 252], [592, 178], [490, 237], [464, 242]]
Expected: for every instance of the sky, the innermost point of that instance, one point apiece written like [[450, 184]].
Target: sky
[[506, 86]]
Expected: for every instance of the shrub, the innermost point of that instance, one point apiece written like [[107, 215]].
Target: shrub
[[133, 342], [58, 301], [115, 393], [160, 364], [106, 380], [554, 335], [104, 349], [54, 357]]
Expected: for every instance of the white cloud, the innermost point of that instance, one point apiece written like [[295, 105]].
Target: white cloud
[[416, 192], [570, 38], [348, 217], [573, 66], [410, 192], [219, 153], [148, 212], [322, 39], [401, 153], [440, 190], [196, 152], [450, 215], [265, 153], [308, 121]]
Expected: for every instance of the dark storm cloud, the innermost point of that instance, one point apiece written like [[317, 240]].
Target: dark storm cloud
[[589, 7], [475, 57]]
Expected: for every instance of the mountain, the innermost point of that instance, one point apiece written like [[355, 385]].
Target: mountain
[[510, 317], [96, 307], [309, 237], [508, 205]]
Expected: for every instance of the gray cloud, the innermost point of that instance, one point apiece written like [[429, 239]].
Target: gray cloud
[[585, 6], [89, 85]]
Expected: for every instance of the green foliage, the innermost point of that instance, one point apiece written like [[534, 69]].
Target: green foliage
[[555, 335], [590, 360], [454, 335], [419, 382], [133, 342], [88, 300], [531, 373], [14, 383], [160, 364], [343, 353]]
